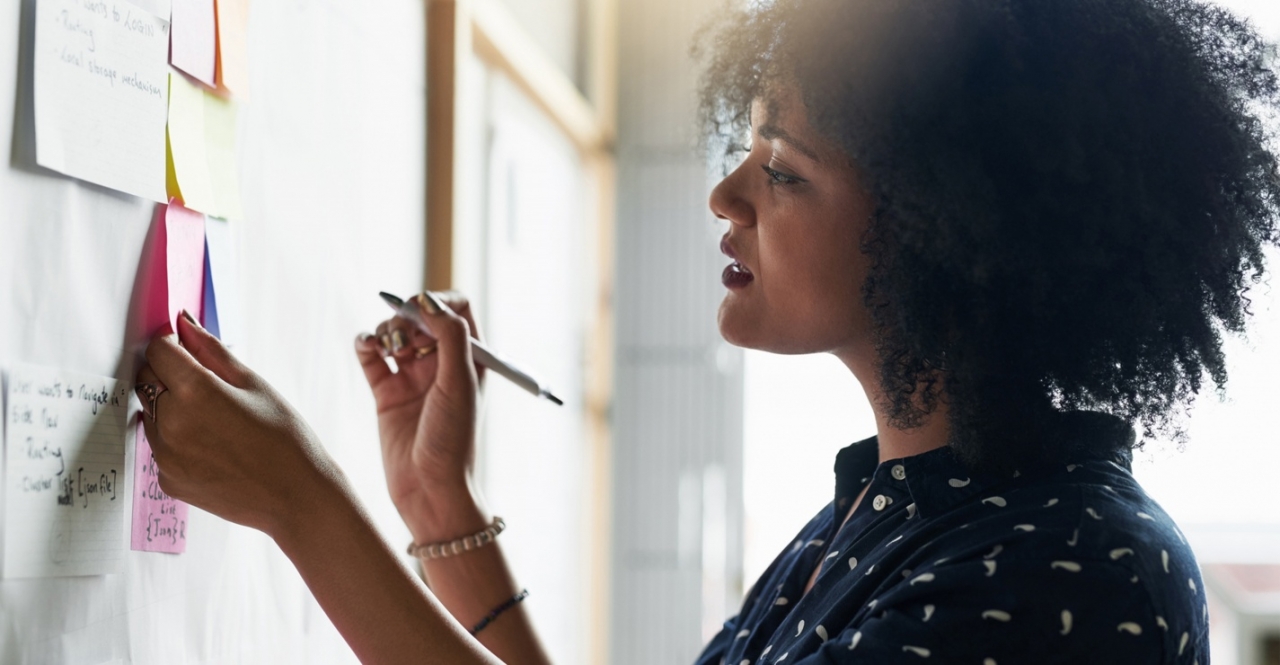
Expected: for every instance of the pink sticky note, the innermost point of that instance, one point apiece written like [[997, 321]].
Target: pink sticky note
[[159, 520], [184, 261], [174, 274], [174, 269], [193, 39]]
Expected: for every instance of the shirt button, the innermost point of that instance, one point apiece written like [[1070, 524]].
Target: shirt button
[[880, 502], [898, 472]]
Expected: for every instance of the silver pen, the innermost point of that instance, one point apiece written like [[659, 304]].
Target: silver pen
[[482, 355]]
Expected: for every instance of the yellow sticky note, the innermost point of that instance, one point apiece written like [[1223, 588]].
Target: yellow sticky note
[[202, 150], [233, 46]]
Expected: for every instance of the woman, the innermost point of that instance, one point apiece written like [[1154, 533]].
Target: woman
[[1021, 224]]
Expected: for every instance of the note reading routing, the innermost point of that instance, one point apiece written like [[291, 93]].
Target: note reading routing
[[101, 93], [64, 473]]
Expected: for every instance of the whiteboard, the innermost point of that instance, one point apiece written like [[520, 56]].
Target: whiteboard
[[331, 157]]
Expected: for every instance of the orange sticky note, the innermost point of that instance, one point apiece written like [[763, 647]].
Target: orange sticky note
[[233, 46]]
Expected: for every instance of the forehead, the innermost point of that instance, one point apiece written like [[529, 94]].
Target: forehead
[[779, 114]]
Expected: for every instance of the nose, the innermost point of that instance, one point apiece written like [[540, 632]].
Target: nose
[[728, 200]]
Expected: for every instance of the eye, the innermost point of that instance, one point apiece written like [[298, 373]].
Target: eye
[[781, 178]]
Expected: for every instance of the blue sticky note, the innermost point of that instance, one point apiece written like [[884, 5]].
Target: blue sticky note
[[210, 313]]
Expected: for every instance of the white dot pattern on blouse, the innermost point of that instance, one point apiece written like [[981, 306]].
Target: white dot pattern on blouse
[[943, 565]]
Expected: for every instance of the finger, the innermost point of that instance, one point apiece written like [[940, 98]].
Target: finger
[[209, 351], [370, 354], [401, 331], [151, 427], [462, 307], [171, 363], [455, 370], [146, 375], [383, 337]]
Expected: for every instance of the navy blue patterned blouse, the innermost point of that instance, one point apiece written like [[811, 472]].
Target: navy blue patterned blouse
[[1071, 565]]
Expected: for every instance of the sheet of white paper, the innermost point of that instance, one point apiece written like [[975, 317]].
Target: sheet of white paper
[[226, 287], [101, 93], [64, 473], [160, 8]]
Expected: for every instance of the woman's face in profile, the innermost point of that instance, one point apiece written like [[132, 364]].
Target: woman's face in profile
[[797, 211]]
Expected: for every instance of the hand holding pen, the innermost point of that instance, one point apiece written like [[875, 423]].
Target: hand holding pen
[[427, 412]]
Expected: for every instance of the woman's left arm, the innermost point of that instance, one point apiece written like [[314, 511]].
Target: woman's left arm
[[226, 442]]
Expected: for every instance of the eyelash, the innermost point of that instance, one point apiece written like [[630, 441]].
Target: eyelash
[[780, 178]]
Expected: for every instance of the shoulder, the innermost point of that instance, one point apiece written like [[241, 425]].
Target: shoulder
[[1077, 556], [1077, 565]]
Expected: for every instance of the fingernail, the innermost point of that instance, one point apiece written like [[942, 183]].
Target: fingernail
[[431, 304], [397, 341], [363, 338], [385, 341], [191, 319]]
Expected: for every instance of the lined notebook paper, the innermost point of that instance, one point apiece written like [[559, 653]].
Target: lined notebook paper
[[64, 473]]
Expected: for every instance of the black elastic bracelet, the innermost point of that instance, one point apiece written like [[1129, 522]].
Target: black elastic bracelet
[[510, 603]]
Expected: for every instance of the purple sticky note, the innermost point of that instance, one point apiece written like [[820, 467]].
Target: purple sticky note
[[193, 39], [159, 520]]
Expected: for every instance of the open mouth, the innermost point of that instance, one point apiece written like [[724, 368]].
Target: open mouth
[[736, 275]]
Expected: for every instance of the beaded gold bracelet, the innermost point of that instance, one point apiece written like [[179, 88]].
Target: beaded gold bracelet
[[455, 547]]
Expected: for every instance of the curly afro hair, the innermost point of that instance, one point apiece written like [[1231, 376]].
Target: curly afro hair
[[1072, 197]]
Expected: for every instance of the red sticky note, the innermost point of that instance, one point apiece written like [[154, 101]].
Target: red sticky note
[[193, 39], [159, 520]]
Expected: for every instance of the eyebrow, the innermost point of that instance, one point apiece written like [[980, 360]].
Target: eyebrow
[[770, 132]]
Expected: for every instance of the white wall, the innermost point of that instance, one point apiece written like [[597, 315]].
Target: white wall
[[331, 155]]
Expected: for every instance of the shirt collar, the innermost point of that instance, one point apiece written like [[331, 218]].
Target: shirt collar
[[938, 480]]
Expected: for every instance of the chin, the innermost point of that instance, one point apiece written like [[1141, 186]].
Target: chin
[[733, 328], [745, 330]]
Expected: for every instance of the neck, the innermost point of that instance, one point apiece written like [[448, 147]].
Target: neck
[[894, 442]]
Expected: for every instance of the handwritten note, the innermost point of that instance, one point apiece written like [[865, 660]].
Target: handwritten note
[[202, 159], [101, 94], [159, 520], [193, 39], [233, 46], [64, 467]]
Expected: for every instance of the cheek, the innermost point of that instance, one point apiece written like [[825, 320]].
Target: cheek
[[814, 280]]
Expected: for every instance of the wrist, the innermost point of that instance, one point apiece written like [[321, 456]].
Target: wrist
[[330, 508], [444, 515]]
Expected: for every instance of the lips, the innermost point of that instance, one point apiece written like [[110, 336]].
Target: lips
[[735, 275]]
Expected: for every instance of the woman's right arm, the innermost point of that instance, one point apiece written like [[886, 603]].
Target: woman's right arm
[[427, 426], [226, 442]]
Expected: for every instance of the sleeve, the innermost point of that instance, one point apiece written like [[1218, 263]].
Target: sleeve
[[989, 612]]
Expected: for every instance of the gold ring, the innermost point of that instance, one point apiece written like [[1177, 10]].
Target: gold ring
[[424, 351]]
